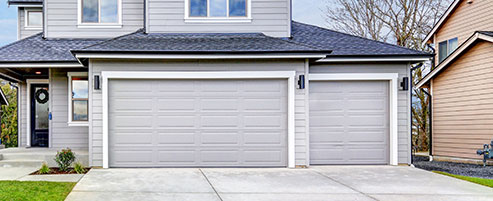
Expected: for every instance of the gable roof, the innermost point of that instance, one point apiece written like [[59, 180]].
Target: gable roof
[[442, 19], [479, 35], [37, 49], [343, 44]]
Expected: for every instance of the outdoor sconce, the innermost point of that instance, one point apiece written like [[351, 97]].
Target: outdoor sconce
[[96, 82], [301, 82], [405, 83]]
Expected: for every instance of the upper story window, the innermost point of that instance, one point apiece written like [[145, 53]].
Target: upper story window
[[446, 48], [99, 12], [218, 9], [78, 98], [34, 19]]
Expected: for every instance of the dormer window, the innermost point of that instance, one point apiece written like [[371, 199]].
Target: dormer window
[[446, 48], [223, 10], [99, 12]]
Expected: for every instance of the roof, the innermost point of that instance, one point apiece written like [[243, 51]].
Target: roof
[[471, 41], [200, 43], [442, 19], [18, 2], [343, 44], [37, 49]]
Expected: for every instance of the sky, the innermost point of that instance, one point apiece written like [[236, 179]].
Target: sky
[[307, 11]]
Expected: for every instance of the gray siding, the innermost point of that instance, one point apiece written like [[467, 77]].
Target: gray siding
[[200, 65], [403, 98], [62, 20], [271, 17], [24, 32], [23, 114]]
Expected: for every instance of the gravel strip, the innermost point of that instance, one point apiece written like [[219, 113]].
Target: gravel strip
[[470, 170]]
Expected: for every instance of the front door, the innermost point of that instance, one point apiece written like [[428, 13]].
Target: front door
[[39, 115]]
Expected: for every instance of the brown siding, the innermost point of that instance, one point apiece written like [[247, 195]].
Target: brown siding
[[462, 104], [465, 20]]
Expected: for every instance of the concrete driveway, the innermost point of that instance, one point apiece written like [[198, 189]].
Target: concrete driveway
[[316, 183]]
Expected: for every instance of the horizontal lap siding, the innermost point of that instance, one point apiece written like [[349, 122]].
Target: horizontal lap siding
[[193, 66], [403, 121], [462, 106], [23, 114], [62, 20], [271, 17]]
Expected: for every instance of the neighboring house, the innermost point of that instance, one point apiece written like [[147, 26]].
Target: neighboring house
[[460, 84], [3, 101], [160, 83]]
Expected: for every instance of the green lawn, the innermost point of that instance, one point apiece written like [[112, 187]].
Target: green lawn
[[482, 181], [34, 190]]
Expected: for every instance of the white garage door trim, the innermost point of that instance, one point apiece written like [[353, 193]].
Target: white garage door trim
[[393, 92], [289, 75]]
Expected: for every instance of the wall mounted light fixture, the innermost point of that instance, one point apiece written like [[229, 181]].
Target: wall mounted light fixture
[[301, 82], [96, 82], [405, 83]]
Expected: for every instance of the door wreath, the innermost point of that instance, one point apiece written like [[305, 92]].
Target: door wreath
[[38, 96]]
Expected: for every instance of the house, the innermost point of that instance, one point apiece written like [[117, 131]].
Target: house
[[460, 82], [178, 83]]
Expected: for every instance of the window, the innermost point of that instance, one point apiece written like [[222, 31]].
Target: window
[[34, 19], [78, 98], [99, 11], [446, 48], [218, 8]]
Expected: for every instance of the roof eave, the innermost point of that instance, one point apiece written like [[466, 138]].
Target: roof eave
[[25, 4], [377, 58], [439, 23]]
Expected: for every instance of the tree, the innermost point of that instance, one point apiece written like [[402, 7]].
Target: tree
[[402, 22], [9, 117]]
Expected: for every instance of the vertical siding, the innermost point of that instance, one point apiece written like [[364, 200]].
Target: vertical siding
[[271, 17], [462, 104], [62, 135], [465, 20], [23, 31], [200, 65], [403, 121], [62, 20]]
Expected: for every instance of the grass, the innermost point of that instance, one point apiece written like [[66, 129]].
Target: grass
[[482, 181], [34, 190]]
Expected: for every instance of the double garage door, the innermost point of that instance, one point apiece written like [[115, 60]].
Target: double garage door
[[187, 123], [242, 123]]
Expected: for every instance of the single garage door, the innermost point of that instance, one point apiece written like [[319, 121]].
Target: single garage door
[[197, 123], [349, 122]]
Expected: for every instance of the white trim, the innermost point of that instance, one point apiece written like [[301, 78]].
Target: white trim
[[393, 79], [196, 56], [370, 59], [70, 122], [449, 59], [442, 19], [209, 19], [40, 65], [28, 106], [25, 5], [26, 19], [307, 111], [289, 75], [99, 25]]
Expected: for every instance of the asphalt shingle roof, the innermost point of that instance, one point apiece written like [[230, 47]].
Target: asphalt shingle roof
[[200, 43], [37, 49], [343, 44]]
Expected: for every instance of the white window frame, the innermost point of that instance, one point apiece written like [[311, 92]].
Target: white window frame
[[209, 19], [26, 19], [393, 79], [448, 50], [288, 75], [91, 25], [70, 122]]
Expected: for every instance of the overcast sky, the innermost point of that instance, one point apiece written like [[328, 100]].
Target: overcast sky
[[307, 11]]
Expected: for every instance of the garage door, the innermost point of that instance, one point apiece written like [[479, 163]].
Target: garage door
[[197, 123], [349, 122]]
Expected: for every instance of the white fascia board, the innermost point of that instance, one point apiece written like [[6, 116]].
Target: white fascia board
[[198, 56], [40, 65], [373, 59], [27, 5], [440, 22]]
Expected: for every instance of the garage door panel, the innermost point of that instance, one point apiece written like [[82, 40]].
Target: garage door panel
[[349, 122], [215, 123], [133, 138]]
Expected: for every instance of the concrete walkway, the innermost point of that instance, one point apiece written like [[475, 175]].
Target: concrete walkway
[[317, 183], [22, 174]]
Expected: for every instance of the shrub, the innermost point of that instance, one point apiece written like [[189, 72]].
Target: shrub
[[8, 125], [64, 159], [79, 168], [44, 169]]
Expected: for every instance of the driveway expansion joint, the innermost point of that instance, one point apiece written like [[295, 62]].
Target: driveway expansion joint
[[213, 188], [345, 185]]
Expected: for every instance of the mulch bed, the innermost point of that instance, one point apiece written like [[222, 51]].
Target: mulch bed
[[471, 170], [57, 171]]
